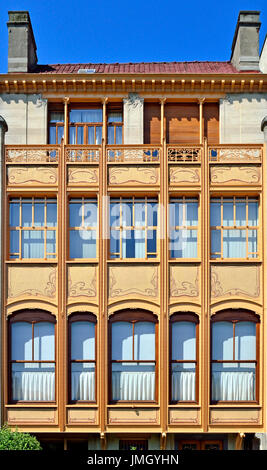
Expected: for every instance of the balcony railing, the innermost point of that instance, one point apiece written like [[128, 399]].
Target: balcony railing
[[82, 153], [239, 153], [32, 154], [133, 153], [184, 154]]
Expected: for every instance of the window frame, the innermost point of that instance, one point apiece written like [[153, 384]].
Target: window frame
[[31, 316], [84, 125], [132, 316], [176, 228], [246, 228], [182, 317], [121, 228], [235, 316], [83, 200], [20, 229], [73, 318], [113, 108]]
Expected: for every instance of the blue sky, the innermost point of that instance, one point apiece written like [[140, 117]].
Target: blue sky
[[130, 31]]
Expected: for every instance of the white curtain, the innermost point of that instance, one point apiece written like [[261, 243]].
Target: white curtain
[[233, 386], [133, 385], [139, 235], [183, 386], [183, 242], [83, 385], [33, 385]]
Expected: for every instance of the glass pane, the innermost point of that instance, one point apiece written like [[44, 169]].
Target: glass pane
[[253, 214], [222, 341], [98, 135], [183, 382], [183, 243], [80, 135], [26, 214], [39, 214], [115, 116], [111, 135], [118, 135], [21, 347], [86, 115], [183, 340], [122, 341], [90, 214], [14, 214], [44, 341], [82, 243], [152, 241], [56, 116], [139, 214], [33, 382], [215, 214], [230, 382], [245, 341], [51, 241], [114, 214], [234, 244], [252, 243], [128, 245], [72, 135], [144, 341], [83, 340], [133, 382], [127, 214], [75, 214], [14, 241], [60, 134], [52, 135], [51, 214], [114, 243], [191, 214], [228, 213], [83, 382], [32, 244], [240, 208], [152, 214]]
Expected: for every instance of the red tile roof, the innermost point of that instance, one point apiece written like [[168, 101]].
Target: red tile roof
[[143, 67]]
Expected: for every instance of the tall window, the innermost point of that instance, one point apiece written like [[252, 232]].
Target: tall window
[[56, 127], [32, 228], [133, 232], [32, 362], [82, 227], [85, 126], [183, 361], [234, 227], [234, 356], [133, 356], [183, 227], [115, 127], [82, 350]]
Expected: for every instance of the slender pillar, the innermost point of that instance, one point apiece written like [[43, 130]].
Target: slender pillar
[[3, 130], [201, 128], [66, 120]]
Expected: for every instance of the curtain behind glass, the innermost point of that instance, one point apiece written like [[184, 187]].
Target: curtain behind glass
[[83, 348], [183, 348]]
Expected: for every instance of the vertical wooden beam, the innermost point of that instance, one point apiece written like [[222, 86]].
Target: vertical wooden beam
[[201, 127], [66, 119]]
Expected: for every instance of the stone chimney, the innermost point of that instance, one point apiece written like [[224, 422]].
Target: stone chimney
[[245, 47], [22, 55]]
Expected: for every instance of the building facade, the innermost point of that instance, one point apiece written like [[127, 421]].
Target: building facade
[[134, 249]]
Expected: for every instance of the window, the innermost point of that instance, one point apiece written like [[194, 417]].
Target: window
[[234, 356], [200, 445], [184, 353], [133, 444], [85, 126], [56, 127], [82, 352], [32, 228], [133, 232], [183, 227], [234, 227], [82, 228], [133, 353], [32, 362], [115, 124]]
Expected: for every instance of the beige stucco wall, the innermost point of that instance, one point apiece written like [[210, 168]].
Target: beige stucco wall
[[241, 116], [133, 117], [26, 117]]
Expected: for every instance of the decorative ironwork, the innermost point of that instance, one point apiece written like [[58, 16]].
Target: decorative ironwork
[[133, 154], [184, 154], [82, 154], [40, 154], [235, 154]]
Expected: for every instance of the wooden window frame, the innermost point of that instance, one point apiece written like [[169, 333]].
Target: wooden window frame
[[113, 108], [55, 108], [177, 228], [121, 228], [182, 317], [132, 316], [245, 228], [82, 200], [74, 318], [133, 441], [84, 125], [236, 316], [20, 229], [32, 317], [200, 443]]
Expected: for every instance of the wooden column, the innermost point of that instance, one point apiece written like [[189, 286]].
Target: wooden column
[[66, 120], [201, 127]]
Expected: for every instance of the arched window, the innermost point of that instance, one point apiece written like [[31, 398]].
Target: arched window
[[32, 356], [133, 356], [184, 357], [82, 357], [234, 365]]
